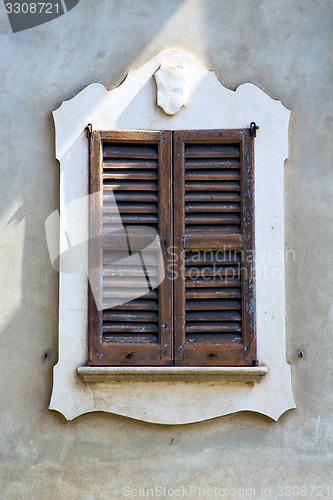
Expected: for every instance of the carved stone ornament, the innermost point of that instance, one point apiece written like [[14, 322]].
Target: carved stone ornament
[[170, 82], [209, 105]]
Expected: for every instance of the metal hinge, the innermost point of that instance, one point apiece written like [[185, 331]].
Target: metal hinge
[[89, 129], [253, 129]]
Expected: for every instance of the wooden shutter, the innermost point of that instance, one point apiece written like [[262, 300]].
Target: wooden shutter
[[214, 242], [136, 167]]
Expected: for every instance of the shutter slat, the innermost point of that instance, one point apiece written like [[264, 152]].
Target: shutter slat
[[126, 341], [220, 327], [212, 219], [214, 176], [130, 186], [212, 154], [212, 197], [215, 271], [123, 293], [135, 151], [124, 208], [213, 293], [125, 282], [213, 316], [212, 207], [134, 197], [136, 316], [131, 219], [212, 283], [211, 151], [136, 175], [113, 270], [130, 164], [206, 163], [115, 327], [227, 257], [134, 305], [211, 186], [205, 305]]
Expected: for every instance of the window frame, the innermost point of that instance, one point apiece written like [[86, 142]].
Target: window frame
[[171, 171]]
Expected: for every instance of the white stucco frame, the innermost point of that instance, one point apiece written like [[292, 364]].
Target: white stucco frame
[[208, 105]]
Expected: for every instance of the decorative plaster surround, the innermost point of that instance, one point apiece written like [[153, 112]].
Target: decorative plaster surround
[[197, 100]]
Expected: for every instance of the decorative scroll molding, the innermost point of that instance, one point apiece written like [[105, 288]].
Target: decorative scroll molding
[[209, 105]]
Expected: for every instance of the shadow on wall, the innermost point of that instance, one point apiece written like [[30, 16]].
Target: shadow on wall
[[30, 173]]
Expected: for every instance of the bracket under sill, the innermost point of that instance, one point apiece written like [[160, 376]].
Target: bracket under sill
[[172, 374]]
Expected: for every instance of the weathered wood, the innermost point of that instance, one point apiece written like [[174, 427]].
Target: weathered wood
[[135, 305], [212, 207], [216, 327], [130, 164], [247, 228], [205, 305], [212, 197], [131, 151], [212, 218], [125, 282], [131, 219], [147, 317], [211, 186], [213, 316], [130, 186], [134, 197], [127, 339], [196, 272], [213, 176], [129, 327], [205, 257], [209, 193], [95, 319], [137, 167], [212, 283], [206, 240], [124, 208], [206, 163], [179, 229], [211, 151], [130, 271], [165, 228], [128, 294], [213, 193], [136, 175]]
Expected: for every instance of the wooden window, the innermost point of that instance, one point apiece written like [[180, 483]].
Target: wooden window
[[196, 190], [214, 229]]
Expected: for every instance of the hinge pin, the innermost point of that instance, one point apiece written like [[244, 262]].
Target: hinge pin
[[89, 129], [253, 129]]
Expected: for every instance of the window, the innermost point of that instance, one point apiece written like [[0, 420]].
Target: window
[[154, 397], [195, 189]]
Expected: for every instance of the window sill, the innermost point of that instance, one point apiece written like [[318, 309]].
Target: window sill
[[171, 374]]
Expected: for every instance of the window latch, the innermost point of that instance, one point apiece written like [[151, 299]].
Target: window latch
[[129, 354]]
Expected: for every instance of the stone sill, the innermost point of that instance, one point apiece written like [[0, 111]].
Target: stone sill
[[172, 374]]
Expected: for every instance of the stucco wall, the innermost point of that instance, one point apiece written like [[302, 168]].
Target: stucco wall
[[283, 47]]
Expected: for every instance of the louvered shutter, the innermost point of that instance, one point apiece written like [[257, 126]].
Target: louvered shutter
[[214, 243], [134, 169]]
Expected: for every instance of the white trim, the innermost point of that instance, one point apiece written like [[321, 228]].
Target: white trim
[[209, 105]]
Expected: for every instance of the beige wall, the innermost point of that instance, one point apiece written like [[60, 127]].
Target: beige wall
[[284, 48]]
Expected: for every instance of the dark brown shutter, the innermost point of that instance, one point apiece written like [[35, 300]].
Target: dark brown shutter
[[214, 243], [136, 167]]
